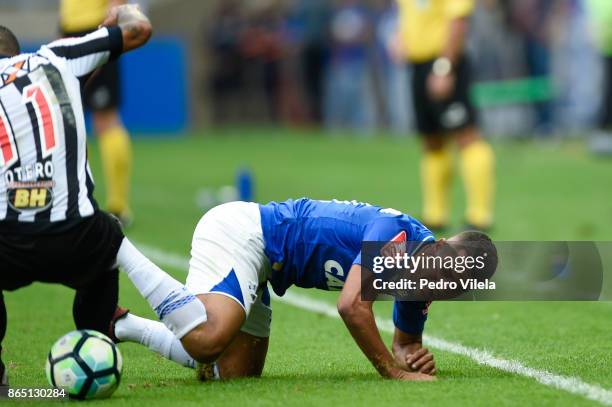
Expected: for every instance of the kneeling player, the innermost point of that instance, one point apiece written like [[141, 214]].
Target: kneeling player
[[239, 247]]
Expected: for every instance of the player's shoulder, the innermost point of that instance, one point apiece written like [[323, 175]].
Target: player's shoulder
[[397, 225], [17, 59], [17, 66], [44, 57]]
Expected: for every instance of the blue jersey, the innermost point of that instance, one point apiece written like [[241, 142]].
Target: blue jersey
[[313, 244]]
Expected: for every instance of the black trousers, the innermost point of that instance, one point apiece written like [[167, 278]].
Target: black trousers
[[82, 258]]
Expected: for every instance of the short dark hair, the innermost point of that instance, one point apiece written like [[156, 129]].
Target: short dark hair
[[9, 45], [478, 244]]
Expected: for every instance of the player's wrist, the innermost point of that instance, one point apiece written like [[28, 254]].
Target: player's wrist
[[387, 366], [394, 372], [400, 361]]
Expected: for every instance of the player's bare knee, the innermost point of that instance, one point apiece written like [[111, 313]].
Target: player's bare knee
[[207, 353], [204, 355], [204, 343]]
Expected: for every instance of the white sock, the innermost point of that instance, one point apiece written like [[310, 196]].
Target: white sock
[[175, 306], [155, 336]]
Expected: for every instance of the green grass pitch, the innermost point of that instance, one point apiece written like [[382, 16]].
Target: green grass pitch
[[544, 193]]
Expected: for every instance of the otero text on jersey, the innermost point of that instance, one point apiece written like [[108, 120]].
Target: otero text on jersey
[[30, 172]]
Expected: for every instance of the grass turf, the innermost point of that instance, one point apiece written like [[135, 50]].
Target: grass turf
[[544, 192]]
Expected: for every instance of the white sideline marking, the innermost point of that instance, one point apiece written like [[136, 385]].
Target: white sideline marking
[[569, 384], [163, 257]]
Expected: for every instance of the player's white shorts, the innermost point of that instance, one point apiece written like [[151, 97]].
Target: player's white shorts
[[227, 257]]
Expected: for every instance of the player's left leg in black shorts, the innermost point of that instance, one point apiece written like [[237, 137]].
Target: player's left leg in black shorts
[[95, 304], [81, 257], [97, 290]]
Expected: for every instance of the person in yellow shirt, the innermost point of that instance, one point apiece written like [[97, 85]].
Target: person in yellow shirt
[[431, 37], [101, 95]]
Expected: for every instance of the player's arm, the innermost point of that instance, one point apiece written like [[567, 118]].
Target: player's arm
[[359, 319], [136, 29], [125, 28], [409, 318]]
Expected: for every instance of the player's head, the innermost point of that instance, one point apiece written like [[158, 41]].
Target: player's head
[[462, 247], [474, 243], [9, 46]]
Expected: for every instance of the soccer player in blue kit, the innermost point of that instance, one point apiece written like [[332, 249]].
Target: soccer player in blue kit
[[221, 316]]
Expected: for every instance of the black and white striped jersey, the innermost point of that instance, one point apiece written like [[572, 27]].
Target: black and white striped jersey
[[45, 180]]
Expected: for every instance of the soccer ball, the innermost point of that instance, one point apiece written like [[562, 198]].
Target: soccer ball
[[86, 364]]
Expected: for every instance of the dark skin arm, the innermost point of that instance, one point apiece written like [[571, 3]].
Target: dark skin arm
[[410, 354], [135, 26], [359, 319]]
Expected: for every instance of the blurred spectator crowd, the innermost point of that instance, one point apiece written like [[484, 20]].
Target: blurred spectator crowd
[[326, 62]]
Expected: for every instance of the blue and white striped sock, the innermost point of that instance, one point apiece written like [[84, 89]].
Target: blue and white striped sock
[[154, 335], [175, 306]]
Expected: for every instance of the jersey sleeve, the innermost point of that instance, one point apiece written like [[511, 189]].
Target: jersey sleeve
[[410, 317], [397, 230], [459, 8], [82, 55]]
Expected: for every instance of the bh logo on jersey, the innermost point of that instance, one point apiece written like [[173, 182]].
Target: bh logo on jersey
[[36, 196]]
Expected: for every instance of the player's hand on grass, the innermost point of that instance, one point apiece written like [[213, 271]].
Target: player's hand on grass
[[421, 361], [401, 374], [410, 355]]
